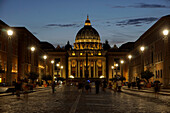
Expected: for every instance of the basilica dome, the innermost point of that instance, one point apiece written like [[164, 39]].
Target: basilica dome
[[87, 37], [88, 33]]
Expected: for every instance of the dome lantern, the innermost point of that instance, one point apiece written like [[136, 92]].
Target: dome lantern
[[87, 22]]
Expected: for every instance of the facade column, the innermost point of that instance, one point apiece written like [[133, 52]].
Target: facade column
[[69, 63], [76, 75], [78, 68], [103, 66], [94, 69], [89, 68], [83, 69]]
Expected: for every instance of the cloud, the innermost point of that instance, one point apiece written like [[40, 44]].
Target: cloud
[[143, 5], [137, 21], [62, 25], [119, 6]]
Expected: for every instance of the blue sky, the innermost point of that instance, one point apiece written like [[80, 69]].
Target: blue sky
[[58, 21]]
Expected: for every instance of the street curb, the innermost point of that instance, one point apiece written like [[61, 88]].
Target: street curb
[[161, 93], [9, 94], [145, 97]]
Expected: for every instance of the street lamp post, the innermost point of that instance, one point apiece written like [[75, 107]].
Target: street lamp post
[[112, 70], [142, 48], [121, 62], [32, 58], [45, 57], [9, 58], [166, 78], [61, 70], [58, 69], [129, 57], [116, 68], [52, 62]]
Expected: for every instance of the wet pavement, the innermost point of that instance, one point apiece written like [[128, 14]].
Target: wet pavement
[[70, 100]]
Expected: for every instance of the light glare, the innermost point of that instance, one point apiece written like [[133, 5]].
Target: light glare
[[129, 56], [165, 32], [142, 48], [122, 61], [52, 61], [10, 32], [45, 57], [32, 49]]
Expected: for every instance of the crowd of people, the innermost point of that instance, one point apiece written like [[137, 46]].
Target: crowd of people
[[115, 85], [87, 85]]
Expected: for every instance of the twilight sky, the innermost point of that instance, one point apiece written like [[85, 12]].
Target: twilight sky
[[58, 21]]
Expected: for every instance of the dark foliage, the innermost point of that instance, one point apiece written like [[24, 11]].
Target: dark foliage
[[33, 76], [47, 77], [147, 75]]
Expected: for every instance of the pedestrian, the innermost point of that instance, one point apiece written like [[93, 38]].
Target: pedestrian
[[115, 86], [156, 89], [97, 84], [110, 85], [25, 89], [138, 84], [119, 84], [87, 86], [53, 86], [18, 88], [104, 85], [129, 84]]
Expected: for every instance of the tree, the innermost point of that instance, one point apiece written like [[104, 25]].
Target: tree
[[147, 75], [47, 77], [122, 78], [33, 76], [60, 78]]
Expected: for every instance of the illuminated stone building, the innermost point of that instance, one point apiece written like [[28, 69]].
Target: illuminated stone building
[[24, 60], [4, 53], [156, 56]]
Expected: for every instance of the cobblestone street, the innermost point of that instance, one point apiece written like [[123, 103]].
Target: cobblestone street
[[70, 100]]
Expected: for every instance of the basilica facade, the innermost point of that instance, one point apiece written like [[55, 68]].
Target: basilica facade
[[89, 58]]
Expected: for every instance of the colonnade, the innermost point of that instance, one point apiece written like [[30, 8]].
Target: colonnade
[[93, 68]]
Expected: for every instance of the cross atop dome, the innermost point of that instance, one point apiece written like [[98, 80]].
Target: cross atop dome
[[87, 22]]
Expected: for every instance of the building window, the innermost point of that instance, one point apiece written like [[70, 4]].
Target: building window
[[158, 74], [161, 73], [152, 57]]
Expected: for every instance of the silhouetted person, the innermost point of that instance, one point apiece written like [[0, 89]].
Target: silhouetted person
[[18, 88], [138, 84], [104, 85], [97, 84], [87, 86], [156, 89], [119, 85], [53, 86]]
